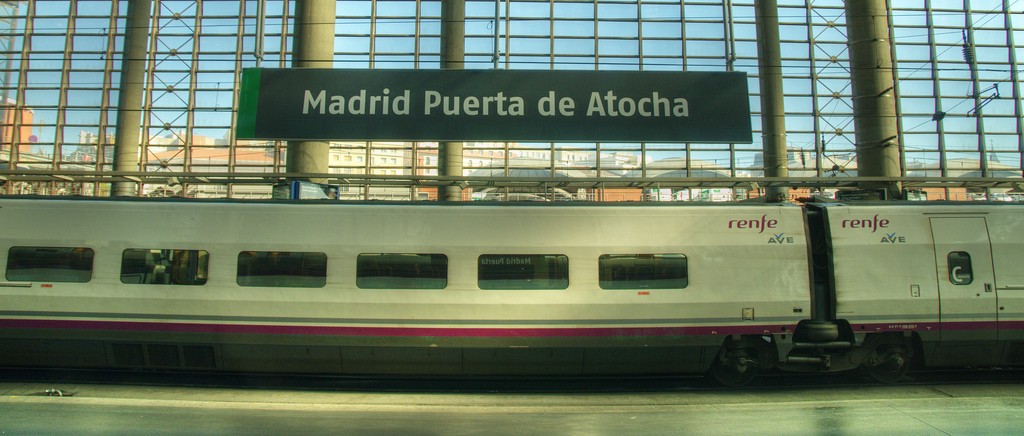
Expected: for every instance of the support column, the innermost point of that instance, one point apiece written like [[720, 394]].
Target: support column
[[874, 97], [773, 111], [312, 47], [130, 92], [453, 56]]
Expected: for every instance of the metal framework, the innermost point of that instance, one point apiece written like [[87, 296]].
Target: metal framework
[[956, 70]]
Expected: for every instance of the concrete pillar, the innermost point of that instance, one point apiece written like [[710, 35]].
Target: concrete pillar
[[453, 34], [449, 163], [129, 97], [312, 47], [874, 97], [453, 56], [773, 111]]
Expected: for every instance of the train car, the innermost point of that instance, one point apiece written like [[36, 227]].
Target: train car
[[510, 289], [463, 289], [940, 282]]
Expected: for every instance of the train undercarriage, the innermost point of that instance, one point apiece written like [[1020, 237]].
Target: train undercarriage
[[816, 346]]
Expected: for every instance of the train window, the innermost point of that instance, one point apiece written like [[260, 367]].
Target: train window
[[164, 267], [401, 271], [50, 264], [960, 272], [282, 269], [642, 271], [523, 271]]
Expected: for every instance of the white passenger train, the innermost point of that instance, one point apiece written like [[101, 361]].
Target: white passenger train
[[479, 289]]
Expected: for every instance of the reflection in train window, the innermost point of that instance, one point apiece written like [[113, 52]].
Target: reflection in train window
[[164, 267], [643, 271], [523, 271], [960, 272], [50, 264], [282, 269], [401, 271]]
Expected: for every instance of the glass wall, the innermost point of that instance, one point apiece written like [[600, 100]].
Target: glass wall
[[957, 83]]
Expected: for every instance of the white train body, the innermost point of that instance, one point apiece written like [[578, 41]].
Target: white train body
[[892, 273], [572, 292]]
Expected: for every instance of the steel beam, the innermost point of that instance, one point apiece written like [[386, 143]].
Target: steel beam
[[229, 177]]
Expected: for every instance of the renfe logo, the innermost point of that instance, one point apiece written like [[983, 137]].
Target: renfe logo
[[874, 223], [756, 224]]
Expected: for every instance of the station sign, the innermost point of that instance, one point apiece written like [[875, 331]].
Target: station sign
[[494, 105]]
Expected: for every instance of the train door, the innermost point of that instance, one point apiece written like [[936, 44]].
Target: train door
[[967, 298]]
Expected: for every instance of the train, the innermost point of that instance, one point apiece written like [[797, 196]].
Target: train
[[484, 289]]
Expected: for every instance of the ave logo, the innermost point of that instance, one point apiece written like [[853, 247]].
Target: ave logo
[[781, 238], [892, 238]]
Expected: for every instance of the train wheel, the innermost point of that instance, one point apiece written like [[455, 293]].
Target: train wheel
[[889, 363], [735, 367]]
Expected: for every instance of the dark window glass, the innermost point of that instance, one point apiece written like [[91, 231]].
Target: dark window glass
[[164, 267], [960, 272], [50, 264], [523, 271], [401, 271], [643, 271], [282, 269]]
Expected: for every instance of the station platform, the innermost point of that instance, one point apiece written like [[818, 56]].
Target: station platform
[[954, 409]]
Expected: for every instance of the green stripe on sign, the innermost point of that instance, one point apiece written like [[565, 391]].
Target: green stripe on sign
[[249, 100]]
